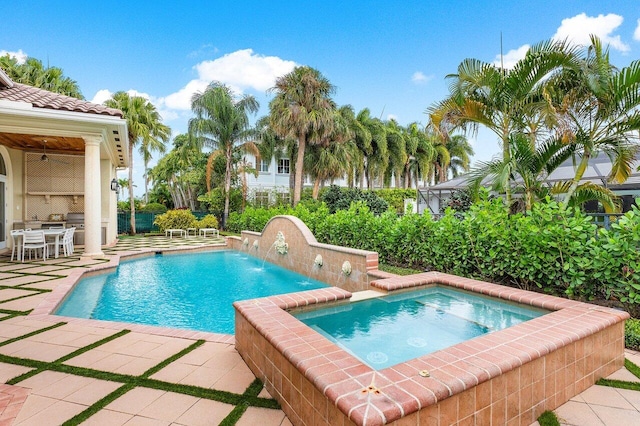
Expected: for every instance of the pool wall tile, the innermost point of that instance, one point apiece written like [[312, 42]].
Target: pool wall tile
[[506, 377]]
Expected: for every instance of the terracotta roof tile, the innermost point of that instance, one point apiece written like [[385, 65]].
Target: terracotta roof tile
[[41, 98]]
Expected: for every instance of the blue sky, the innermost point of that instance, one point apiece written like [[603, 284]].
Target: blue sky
[[390, 57]]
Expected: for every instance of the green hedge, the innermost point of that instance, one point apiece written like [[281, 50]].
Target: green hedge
[[561, 252], [632, 334]]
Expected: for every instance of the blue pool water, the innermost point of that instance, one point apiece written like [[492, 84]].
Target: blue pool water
[[193, 291], [388, 330]]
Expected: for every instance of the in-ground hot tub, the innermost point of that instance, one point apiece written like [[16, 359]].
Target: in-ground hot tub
[[508, 376]]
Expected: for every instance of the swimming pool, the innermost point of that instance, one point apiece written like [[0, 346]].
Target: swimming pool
[[193, 291], [388, 330]]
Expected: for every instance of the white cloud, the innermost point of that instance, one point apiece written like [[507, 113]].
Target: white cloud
[[578, 28], [241, 70], [512, 57], [104, 94], [419, 77], [392, 117], [636, 33], [101, 96], [20, 56]]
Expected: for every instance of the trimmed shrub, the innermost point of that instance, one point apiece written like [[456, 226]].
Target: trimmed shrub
[[338, 198], [632, 334], [208, 221], [395, 197], [176, 219], [154, 208]]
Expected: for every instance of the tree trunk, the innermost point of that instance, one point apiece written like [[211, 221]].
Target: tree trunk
[[298, 180], [316, 188], [131, 196], [227, 183], [146, 184], [577, 178]]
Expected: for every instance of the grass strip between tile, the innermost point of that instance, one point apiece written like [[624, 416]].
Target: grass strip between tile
[[33, 333], [232, 418], [67, 357], [99, 405], [172, 358], [622, 384]]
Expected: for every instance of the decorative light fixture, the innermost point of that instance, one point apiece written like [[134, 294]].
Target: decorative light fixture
[[114, 185]]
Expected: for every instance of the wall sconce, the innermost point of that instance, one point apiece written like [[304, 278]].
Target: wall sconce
[[114, 185]]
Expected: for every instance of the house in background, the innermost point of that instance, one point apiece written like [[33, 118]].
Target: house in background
[[434, 198], [58, 157]]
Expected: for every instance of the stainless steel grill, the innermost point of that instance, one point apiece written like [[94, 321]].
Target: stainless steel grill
[[75, 219]]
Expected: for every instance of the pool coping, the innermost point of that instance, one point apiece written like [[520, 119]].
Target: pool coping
[[45, 309], [368, 396]]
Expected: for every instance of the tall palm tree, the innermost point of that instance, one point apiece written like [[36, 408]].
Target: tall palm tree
[[143, 123], [599, 110], [302, 109], [375, 148], [397, 152], [222, 122], [146, 147], [504, 101]]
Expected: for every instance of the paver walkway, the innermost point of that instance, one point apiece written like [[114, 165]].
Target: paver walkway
[[57, 370]]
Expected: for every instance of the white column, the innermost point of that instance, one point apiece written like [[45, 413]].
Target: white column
[[92, 198]]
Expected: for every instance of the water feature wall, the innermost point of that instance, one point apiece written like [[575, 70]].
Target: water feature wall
[[288, 242], [505, 377]]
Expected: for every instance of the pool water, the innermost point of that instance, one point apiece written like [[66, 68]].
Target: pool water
[[388, 330], [193, 291]]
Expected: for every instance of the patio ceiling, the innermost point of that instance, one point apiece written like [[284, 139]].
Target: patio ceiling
[[54, 144]]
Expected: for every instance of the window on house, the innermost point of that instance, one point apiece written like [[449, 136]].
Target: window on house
[[261, 198], [264, 166], [283, 166]]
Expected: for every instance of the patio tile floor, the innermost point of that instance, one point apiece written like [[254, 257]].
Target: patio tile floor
[[63, 375]]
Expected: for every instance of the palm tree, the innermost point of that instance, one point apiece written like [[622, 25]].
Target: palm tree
[[144, 123], [504, 101], [33, 73], [122, 184], [302, 109], [397, 152], [222, 122], [460, 152], [375, 147], [599, 111], [146, 147]]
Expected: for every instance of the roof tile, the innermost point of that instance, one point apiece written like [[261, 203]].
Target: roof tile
[[41, 98]]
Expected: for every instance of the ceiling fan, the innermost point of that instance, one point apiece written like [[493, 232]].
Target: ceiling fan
[[44, 157]]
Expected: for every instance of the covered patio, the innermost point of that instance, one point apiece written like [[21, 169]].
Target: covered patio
[[58, 158]]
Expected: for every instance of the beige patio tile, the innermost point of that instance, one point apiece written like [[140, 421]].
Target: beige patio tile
[[25, 303], [174, 372], [204, 353], [236, 380], [264, 393], [4, 275], [54, 414], [9, 371], [93, 392], [224, 359], [42, 381], [36, 280], [612, 416], [36, 350], [204, 377], [125, 364], [88, 359], [10, 293], [605, 395], [51, 269], [169, 406], [262, 416], [169, 349], [632, 396], [15, 267], [205, 412], [145, 421], [577, 414], [32, 406], [108, 418], [625, 375], [135, 400]]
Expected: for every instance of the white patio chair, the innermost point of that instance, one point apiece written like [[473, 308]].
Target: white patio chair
[[34, 240], [16, 235], [67, 242]]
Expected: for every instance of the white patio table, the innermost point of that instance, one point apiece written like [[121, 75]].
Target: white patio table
[[57, 233]]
